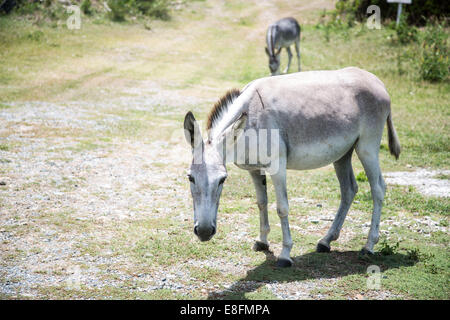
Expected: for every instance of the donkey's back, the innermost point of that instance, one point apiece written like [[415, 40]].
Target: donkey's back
[[320, 114], [287, 31]]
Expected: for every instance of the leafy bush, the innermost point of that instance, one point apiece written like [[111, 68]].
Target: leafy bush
[[86, 7], [37, 36], [154, 8], [419, 11], [25, 7], [330, 21], [7, 5], [118, 10], [405, 32], [416, 255], [387, 249], [435, 63]]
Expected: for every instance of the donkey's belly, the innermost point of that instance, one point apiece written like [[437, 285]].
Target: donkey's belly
[[319, 153], [283, 43]]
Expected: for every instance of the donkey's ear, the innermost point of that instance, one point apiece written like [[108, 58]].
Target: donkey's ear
[[267, 51], [192, 130]]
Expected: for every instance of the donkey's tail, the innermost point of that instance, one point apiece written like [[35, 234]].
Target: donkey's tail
[[394, 143]]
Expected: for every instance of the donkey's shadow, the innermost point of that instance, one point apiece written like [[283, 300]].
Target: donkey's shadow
[[309, 266]]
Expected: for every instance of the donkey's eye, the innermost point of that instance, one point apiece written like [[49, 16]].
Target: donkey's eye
[[191, 179], [222, 180]]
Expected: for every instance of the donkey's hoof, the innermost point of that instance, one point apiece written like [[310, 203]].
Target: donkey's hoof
[[260, 246], [284, 263], [322, 248], [366, 252]]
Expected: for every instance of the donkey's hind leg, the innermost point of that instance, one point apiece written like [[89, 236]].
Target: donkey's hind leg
[[288, 49], [349, 188], [297, 51], [369, 160], [259, 180]]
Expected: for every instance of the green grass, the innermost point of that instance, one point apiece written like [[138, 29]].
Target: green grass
[[442, 176]]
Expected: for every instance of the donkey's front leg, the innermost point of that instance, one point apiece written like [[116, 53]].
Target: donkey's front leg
[[288, 49], [279, 181], [259, 180]]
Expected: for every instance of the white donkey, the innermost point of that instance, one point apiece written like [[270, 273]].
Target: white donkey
[[282, 34], [320, 118]]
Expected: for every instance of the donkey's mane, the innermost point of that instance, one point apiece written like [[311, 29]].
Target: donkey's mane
[[221, 106]]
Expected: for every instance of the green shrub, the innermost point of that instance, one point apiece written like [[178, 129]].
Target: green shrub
[[6, 6], [23, 7], [405, 32], [37, 36], [416, 255], [118, 10], [387, 249], [155, 8], [324, 25], [419, 11], [330, 21], [86, 7], [435, 63]]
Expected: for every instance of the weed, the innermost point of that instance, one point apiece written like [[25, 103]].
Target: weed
[[416, 255], [443, 223], [155, 8], [118, 10], [442, 176], [37, 36], [388, 249], [362, 177], [406, 33], [435, 54], [86, 7]]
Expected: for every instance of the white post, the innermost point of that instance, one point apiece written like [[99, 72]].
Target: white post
[[399, 12], [399, 8]]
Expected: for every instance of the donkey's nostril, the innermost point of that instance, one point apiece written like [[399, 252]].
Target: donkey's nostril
[[213, 232], [195, 231]]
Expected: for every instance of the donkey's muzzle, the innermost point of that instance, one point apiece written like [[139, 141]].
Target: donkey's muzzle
[[204, 233]]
